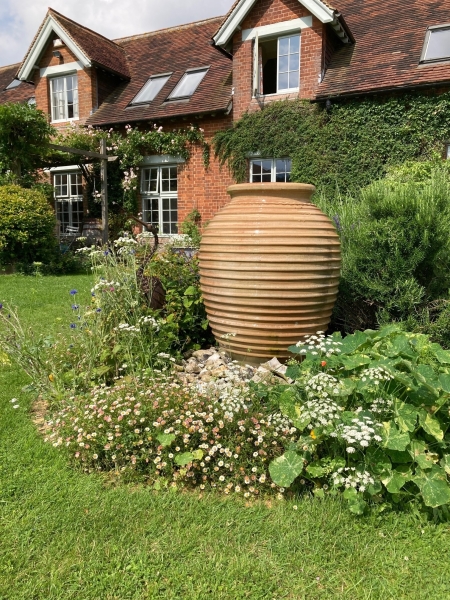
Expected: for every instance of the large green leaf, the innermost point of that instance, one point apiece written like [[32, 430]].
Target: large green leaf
[[376, 460], [396, 479], [285, 469], [442, 355], [356, 503], [353, 362], [183, 459], [445, 463], [393, 438], [352, 342], [431, 425], [434, 486], [444, 380], [406, 416], [165, 439]]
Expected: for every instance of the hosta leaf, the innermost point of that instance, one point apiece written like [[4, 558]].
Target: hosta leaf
[[396, 479], [165, 439], [183, 459], [431, 425], [393, 438], [406, 416], [285, 469], [434, 486]]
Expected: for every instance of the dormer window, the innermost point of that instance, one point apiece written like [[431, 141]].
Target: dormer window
[[437, 44], [64, 95], [188, 84], [151, 89], [277, 65]]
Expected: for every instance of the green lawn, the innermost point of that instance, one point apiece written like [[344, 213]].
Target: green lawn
[[65, 535]]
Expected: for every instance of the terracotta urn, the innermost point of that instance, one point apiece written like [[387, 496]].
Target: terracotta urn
[[269, 270]]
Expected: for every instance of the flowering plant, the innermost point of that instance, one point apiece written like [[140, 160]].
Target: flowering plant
[[373, 412]]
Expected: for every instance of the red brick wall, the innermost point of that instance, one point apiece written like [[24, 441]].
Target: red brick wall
[[267, 12], [87, 91]]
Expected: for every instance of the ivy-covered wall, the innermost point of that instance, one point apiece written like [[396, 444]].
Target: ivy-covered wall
[[345, 147]]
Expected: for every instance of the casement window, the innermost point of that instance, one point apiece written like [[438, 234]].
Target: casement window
[[64, 97], [437, 44], [69, 200], [151, 89], [188, 84], [159, 189], [268, 170], [276, 65]]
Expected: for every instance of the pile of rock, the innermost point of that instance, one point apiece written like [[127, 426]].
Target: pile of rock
[[216, 366]]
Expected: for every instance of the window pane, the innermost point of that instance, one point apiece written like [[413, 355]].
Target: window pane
[[283, 81], [293, 79], [294, 46], [188, 84], [294, 62], [283, 64], [283, 46], [151, 89], [438, 44]]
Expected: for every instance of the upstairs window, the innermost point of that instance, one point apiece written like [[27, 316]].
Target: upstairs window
[[276, 65], [151, 89], [269, 170], [188, 84], [64, 95], [14, 83], [437, 44]]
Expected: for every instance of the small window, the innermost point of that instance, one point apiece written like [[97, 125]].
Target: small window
[[278, 65], [14, 83], [188, 84], [437, 44], [69, 200], [64, 94], [151, 89], [270, 170]]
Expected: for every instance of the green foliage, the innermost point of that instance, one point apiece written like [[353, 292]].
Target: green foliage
[[373, 413], [27, 225], [346, 148], [24, 137], [395, 240], [190, 228]]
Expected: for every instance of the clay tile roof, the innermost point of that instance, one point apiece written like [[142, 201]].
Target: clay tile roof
[[172, 50], [21, 93], [389, 40], [100, 50]]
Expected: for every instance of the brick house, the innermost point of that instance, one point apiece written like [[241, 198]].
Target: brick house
[[211, 72]]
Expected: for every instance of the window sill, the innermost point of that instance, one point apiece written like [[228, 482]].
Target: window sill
[[273, 96], [66, 120]]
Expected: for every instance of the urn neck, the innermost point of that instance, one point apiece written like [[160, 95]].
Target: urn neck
[[301, 192]]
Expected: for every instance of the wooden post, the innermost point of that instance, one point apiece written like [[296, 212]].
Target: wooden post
[[104, 191]]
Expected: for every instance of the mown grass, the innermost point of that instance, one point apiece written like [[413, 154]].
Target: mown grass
[[66, 535]]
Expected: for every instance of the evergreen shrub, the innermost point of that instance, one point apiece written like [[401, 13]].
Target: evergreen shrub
[[27, 225]]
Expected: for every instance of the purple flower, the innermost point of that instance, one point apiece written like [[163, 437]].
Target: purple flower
[[98, 310], [73, 292], [73, 326], [337, 222], [75, 306], [1, 306]]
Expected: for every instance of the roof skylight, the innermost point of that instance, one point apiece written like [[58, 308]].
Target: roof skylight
[[437, 44], [188, 84], [151, 89], [14, 83]]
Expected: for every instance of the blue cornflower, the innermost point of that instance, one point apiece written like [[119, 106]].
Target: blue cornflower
[[1, 306], [73, 292], [73, 326], [98, 310], [75, 306], [92, 294], [106, 252]]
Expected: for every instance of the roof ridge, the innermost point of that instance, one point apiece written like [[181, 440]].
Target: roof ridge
[[172, 28], [10, 66], [58, 14]]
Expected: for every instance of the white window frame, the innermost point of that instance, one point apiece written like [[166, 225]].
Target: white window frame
[[69, 199], [173, 94], [64, 92], [163, 76], [160, 196], [273, 176], [257, 66]]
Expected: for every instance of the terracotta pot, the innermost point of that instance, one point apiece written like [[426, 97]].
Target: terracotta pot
[[269, 269]]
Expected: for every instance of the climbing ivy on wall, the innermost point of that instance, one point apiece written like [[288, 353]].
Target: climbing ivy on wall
[[345, 147]]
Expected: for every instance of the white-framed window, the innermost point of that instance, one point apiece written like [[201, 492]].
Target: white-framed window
[[188, 84], [159, 189], [276, 65], [69, 200], [266, 170], [151, 89], [64, 97]]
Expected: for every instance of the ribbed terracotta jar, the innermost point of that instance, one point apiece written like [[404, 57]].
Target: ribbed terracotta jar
[[269, 269]]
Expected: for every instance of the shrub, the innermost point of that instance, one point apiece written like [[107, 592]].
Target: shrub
[[27, 225], [396, 251], [373, 412]]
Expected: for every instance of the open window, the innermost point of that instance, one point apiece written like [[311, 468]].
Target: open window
[[276, 65], [437, 44]]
